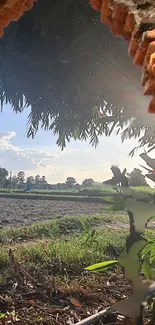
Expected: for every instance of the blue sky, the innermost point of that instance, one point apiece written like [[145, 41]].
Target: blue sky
[[42, 156]]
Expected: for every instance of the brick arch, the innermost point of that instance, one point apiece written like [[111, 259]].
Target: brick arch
[[12, 10], [134, 20]]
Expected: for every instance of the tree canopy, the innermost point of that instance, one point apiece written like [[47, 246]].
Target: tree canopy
[[88, 182], [73, 74], [3, 176], [136, 178], [70, 181]]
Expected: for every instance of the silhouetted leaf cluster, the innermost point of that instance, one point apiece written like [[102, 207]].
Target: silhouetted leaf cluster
[[76, 79]]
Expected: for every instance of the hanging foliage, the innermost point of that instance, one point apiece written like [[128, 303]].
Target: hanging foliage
[[63, 66]]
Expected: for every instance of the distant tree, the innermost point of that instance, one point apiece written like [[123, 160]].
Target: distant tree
[[7, 183], [60, 186], [30, 180], [70, 182], [77, 186], [43, 180], [88, 182], [37, 180], [40, 181], [3, 176], [43, 183], [21, 178], [136, 178], [14, 181]]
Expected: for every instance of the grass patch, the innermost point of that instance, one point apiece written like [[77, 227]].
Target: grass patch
[[74, 251], [31, 196], [63, 242], [66, 226], [66, 255], [98, 192], [63, 245]]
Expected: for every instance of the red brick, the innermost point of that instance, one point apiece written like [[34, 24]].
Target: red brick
[[17, 11], [119, 13], [129, 23], [117, 28], [144, 42], [144, 47], [133, 46], [145, 77], [118, 19], [134, 42], [13, 11], [106, 12], [151, 108], [96, 4], [150, 50], [149, 87], [151, 65], [153, 70], [139, 57], [150, 35], [141, 51]]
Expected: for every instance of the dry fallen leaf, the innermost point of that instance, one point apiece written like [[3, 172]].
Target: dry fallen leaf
[[75, 303], [26, 274], [84, 291], [32, 302]]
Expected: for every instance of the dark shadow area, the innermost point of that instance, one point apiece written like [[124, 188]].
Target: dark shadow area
[[67, 66]]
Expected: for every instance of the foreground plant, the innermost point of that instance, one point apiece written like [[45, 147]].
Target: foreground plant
[[139, 253]]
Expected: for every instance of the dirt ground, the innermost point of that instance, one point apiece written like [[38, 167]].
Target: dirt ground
[[25, 212], [46, 300], [34, 296]]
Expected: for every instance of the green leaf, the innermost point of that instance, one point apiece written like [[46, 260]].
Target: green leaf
[[142, 211], [92, 234], [115, 207], [146, 270], [85, 224], [101, 266], [2, 315]]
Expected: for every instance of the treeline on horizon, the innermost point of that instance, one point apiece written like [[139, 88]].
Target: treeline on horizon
[[20, 181]]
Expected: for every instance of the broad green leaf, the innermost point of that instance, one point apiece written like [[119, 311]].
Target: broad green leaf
[[101, 266], [115, 207], [105, 268], [130, 261], [146, 270], [142, 211], [2, 315], [131, 306], [146, 251], [85, 224]]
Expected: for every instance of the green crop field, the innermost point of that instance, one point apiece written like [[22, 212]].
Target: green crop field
[[94, 194]]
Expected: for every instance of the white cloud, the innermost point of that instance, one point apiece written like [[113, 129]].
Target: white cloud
[[76, 160], [79, 163], [41, 157], [15, 159], [11, 157]]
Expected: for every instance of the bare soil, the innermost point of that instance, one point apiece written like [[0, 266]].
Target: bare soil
[[47, 300], [36, 296], [24, 212]]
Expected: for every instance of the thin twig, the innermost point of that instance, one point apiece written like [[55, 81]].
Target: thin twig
[[94, 318]]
